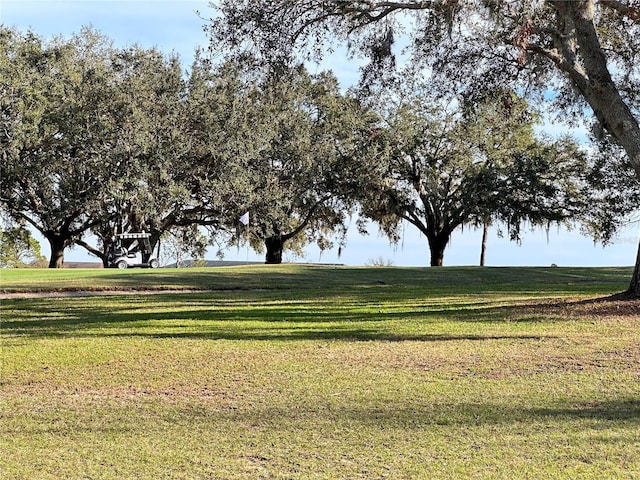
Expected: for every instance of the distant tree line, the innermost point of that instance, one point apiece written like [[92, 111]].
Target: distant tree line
[[98, 140], [18, 248]]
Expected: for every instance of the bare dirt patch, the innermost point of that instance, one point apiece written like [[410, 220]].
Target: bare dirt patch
[[599, 308], [612, 306]]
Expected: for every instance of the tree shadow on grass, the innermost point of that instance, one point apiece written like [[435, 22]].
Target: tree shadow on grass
[[294, 278], [272, 317], [621, 413], [232, 320], [602, 415], [335, 333]]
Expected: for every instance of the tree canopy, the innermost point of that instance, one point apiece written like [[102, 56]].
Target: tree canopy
[[102, 141], [442, 168], [54, 150], [18, 248], [301, 177], [96, 140], [592, 44], [583, 52]]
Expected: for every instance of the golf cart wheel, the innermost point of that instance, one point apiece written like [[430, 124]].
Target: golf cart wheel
[[154, 263], [122, 264]]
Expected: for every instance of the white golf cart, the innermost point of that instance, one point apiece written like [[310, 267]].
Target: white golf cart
[[137, 253]]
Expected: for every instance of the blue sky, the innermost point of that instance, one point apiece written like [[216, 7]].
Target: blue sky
[[173, 26]]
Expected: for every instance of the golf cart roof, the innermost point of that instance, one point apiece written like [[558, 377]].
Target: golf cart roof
[[131, 235]]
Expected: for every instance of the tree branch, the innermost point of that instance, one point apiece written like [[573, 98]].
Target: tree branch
[[631, 12], [307, 219], [90, 249], [574, 71]]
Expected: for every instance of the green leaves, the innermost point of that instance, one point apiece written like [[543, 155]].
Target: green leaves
[[299, 181], [18, 248], [470, 164], [53, 159]]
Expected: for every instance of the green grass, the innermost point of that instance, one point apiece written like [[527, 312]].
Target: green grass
[[583, 281], [300, 372]]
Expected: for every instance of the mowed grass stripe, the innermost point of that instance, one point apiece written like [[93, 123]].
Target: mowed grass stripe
[[333, 373]]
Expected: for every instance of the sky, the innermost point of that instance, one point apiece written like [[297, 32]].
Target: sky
[[174, 26]]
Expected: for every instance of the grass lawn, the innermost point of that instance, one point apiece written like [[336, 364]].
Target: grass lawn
[[306, 372]]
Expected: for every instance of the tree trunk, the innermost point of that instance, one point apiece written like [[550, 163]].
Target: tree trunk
[[595, 83], [594, 80], [56, 260], [483, 247], [275, 245], [634, 287], [437, 246], [154, 242]]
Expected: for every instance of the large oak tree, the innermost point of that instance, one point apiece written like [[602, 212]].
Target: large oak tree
[[302, 176], [55, 98], [152, 175], [442, 168], [98, 140]]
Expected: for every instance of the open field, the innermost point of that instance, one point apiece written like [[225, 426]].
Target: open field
[[299, 372]]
